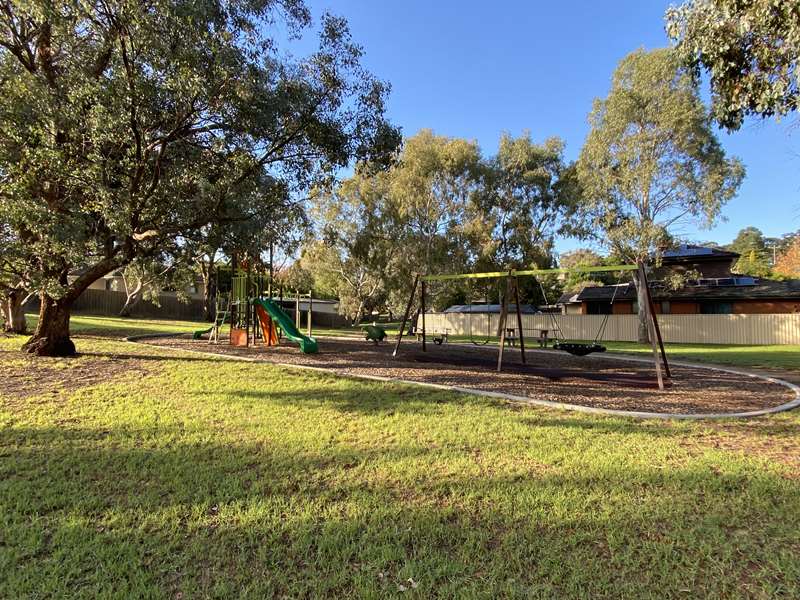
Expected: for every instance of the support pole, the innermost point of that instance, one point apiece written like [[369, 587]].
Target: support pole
[[271, 271], [234, 301], [248, 307], [519, 321], [422, 310], [297, 309], [651, 330], [310, 305], [654, 318], [503, 322], [405, 315]]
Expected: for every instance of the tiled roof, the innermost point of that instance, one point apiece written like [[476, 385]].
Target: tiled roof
[[763, 289], [489, 308]]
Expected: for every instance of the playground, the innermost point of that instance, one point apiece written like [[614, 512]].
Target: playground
[[253, 324], [605, 381], [240, 475]]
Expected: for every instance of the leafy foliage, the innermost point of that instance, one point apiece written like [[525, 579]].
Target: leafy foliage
[[750, 50], [122, 129], [788, 263], [443, 208], [751, 244], [651, 160], [650, 163]]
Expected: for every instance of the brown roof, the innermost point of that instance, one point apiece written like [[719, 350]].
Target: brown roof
[[764, 289]]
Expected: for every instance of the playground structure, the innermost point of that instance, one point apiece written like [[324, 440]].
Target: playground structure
[[576, 348], [255, 314]]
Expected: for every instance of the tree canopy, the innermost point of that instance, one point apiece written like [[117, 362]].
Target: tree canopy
[[443, 207], [788, 262], [122, 129], [651, 161], [751, 244], [750, 50]]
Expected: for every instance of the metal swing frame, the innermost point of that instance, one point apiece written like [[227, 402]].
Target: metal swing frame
[[512, 286]]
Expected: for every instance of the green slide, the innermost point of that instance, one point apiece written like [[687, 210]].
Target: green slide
[[286, 323], [201, 332]]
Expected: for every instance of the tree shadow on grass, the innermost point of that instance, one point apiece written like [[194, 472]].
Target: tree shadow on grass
[[117, 512]]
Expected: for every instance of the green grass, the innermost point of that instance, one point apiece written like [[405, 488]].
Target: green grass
[[181, 476], [771, 357], [115, 326]]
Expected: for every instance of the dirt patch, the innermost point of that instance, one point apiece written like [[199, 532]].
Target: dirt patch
[[596, 380], [26, 376], [774, 438]]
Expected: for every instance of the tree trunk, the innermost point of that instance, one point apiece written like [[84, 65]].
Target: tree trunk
[[14, 312], [209, 293], [51, 337], [130, 302], [359, 314], [643, 336]]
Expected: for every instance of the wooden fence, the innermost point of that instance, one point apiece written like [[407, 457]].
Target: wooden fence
[[690, 329], [109, 303]]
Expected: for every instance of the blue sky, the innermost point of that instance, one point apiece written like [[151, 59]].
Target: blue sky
[[476, 69]]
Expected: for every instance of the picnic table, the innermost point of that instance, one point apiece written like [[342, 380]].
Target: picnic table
[[438, 337]]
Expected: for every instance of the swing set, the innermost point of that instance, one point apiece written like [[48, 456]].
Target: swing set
[[576, 348]]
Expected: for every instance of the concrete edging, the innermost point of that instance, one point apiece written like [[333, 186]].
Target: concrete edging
[[792, 404]]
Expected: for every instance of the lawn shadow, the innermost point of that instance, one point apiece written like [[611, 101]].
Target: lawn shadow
[[276, 520]]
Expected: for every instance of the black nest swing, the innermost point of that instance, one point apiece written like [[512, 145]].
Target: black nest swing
[[580, 348]]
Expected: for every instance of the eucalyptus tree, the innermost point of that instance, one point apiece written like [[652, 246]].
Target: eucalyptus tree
[[651, 162], [14, 286], [432, 196], [124, 127], [353, 255], [749, 49], [525, 201], [755, 256]]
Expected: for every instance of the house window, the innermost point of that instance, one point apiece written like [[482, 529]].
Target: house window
[[109, 284], [598, 308], [716, 308], [665, 307]]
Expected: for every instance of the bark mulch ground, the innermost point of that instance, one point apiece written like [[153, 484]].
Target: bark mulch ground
[[596, 380]]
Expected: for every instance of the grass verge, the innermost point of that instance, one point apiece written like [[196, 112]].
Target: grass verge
[[177, 475]]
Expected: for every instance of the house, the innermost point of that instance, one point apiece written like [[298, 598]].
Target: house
[[710, 289], [493, 309], [113, 282]]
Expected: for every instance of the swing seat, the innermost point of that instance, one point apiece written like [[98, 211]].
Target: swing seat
[[578, 348]]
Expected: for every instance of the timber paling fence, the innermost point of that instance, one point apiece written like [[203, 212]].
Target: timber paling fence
[[688, 329], [108, 303]]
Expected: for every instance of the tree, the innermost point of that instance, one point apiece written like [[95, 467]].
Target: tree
[[145, 279], [525, 200], [356, 246], [581, 257], [357, 286], [14, 286], [788, 263], [124, 129], [431, 194], [751, 244], [750, 50], [650, 162]]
